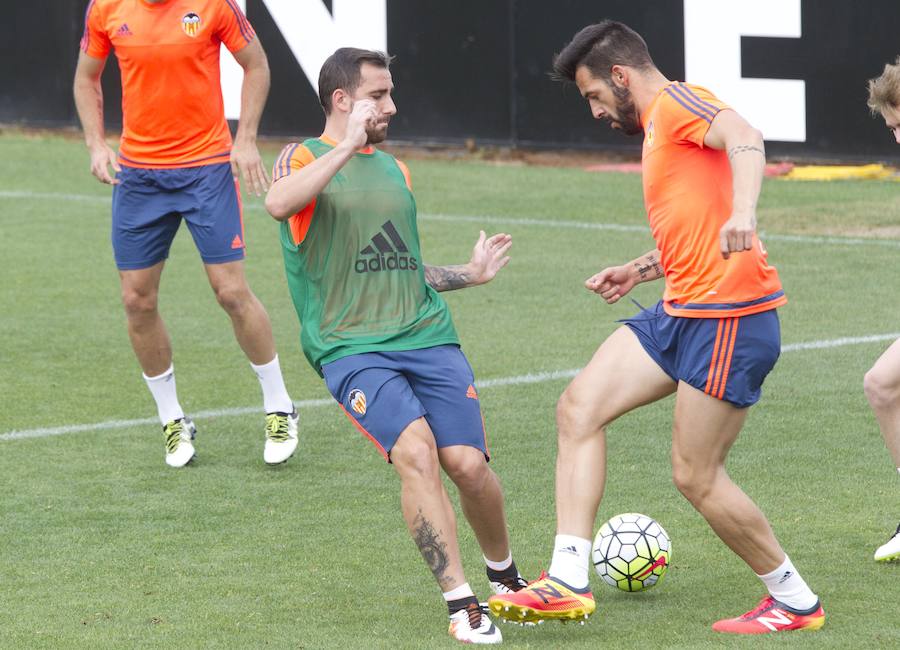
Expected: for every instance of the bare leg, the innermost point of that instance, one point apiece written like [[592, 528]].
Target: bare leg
[[249, 319], [882, 386], [149, 338], [481, 498], [704, 430], [426, 507], [620, 377]]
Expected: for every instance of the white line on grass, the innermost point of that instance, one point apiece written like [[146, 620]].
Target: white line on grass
[[518, 380], [518, 221]]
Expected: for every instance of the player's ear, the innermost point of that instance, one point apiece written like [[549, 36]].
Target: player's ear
[[619, 75], [341, 100]]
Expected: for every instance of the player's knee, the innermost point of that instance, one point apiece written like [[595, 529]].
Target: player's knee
[[575, 420], [233, 298], [416, 460], [881, 389], [692, 480], [139, 303], [469, 472]]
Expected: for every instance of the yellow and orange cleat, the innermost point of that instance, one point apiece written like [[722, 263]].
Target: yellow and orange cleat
[[544, 599]]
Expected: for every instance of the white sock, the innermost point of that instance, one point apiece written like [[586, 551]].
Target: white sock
[[786, 586], [462, 591], [571, 559], [898, 470], [275, 395], [498, 566], [163, 389]]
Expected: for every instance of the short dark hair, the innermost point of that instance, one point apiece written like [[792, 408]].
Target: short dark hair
[[341, 70], [600, 47]]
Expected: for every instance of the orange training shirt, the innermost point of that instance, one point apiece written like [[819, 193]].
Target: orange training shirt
[[687, 195], [173, 114]]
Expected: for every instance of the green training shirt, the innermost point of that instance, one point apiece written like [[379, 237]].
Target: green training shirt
[[357, 278]]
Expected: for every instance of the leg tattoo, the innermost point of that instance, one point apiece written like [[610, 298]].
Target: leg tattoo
[[432, 548]]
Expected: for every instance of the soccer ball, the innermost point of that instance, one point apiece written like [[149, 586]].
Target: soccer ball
[[631, 552]]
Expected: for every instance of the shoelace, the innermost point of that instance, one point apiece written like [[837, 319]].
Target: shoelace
[[474, 611], [276, 427], [173, 433], [764, 606], [513, 583]]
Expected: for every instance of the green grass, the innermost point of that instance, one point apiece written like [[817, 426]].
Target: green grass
[[102, 546]]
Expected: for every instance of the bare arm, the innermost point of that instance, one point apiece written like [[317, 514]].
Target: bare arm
[[89, 104], [245, 158], [747, 155], [615, 281], [292, 193], [488, 257]]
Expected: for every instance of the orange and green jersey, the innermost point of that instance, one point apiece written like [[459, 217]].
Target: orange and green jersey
[[688, 198], [173, 114], [353, 263]]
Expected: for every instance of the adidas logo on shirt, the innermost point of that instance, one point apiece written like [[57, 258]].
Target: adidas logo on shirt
[[386, 253], [124, 31]]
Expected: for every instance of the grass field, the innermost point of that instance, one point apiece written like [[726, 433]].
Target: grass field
[[103, 546]]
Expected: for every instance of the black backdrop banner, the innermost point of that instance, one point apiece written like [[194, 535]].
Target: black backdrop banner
[[478, 69]]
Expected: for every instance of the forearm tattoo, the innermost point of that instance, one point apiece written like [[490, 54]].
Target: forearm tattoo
[[433, 550], [744, 148], [446, 278], [649, 268]]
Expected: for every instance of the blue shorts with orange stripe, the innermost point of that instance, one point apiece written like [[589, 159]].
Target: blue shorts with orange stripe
[[149, 204], [727, 358], [383, 392]]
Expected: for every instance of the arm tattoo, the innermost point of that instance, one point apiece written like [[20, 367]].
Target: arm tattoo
[[743, 148], [446, 278], [652, 264], [433, 550]]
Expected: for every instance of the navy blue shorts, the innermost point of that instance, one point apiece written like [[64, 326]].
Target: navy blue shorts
[[382, 392], [727, 358], [148, 205]]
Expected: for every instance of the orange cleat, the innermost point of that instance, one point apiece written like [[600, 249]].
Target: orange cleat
[[544, 599], [773, 616]]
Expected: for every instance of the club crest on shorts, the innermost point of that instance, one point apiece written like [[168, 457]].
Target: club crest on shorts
[[190, 24], [357, 401]]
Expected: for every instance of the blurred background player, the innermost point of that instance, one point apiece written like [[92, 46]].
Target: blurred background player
[[711, 340], [374, 326], [882, 382], [176, 160]]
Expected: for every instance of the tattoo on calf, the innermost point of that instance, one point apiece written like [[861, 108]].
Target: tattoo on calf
[[743, 148], [446, 278], [433, 550]]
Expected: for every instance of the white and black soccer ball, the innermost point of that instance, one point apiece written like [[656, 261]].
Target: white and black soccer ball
[[632, 552]]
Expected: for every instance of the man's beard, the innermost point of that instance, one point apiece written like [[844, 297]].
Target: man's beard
[[377, 134], [626, 114]]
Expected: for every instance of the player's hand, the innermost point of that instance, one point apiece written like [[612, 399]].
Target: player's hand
[[612, 283], [102, 158], [246, 162], [488, 257], [362, 117], [737, 233]]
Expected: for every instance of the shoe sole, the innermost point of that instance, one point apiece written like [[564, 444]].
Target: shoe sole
[[889, 558], [519, 614]]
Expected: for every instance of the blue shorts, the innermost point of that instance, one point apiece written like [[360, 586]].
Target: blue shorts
[[727, 358], [382, 392], [148, 204]]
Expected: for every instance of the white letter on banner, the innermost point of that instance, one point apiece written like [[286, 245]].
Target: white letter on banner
[[712, 58], [313, 34]]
